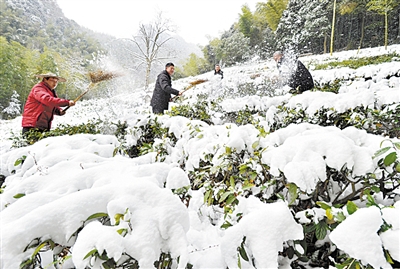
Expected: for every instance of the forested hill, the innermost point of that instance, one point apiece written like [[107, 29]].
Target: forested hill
[[37, 24], [36, 37]]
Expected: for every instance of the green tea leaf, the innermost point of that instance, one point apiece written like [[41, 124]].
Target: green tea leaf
[[231, 199], [90, 253], [232, 181], [224, 196], [247, 185], [397, 145], [340, 217], [19, 195], [381, 151], [323, 205], [292, 192], [321, 230], [255, 144], [20, 160], [122, 231], [243, 254], [351, 207], [226, 225], [390, 158], [97, 215], [118, 218]]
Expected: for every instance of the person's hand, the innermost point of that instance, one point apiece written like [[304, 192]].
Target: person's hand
[[181, 92], [62, 112], [71, 103]]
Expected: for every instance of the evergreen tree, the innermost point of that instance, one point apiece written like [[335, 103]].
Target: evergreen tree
[[316, 25], [235, 47], [213, 52], [14, 106], [303, 26]]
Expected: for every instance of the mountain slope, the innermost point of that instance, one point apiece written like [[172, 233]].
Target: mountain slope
[[212, 183]]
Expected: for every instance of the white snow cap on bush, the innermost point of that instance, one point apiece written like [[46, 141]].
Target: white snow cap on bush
[[262, 225], [361, 229], [303, 157]]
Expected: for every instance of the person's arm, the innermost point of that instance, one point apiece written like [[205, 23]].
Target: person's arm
[[60, 112], [165, 85], [44, 97]]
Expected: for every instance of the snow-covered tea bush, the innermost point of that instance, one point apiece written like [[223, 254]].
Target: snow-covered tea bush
[[260, 181]]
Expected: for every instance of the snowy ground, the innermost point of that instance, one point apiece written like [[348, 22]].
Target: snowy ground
[[64, 180]]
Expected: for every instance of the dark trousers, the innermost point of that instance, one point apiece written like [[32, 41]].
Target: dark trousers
[[27, 129]]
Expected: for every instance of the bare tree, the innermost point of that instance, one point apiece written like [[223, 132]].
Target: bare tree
[[148, 42]]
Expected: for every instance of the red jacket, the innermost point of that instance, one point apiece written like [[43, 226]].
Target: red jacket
[[41, 105]]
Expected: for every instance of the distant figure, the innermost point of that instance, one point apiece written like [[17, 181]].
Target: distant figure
[[293, 73], [218, 71], [163, 90], [43, 103]]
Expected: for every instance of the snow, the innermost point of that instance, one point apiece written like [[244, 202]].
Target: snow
[[371, 252], [64, 180]]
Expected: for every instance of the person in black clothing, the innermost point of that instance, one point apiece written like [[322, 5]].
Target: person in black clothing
[[296, 74], [218, 71], [163, 90]]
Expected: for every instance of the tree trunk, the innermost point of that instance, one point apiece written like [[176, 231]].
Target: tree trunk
[[386, 30], [398, 29], [147, 79], [333, 25]]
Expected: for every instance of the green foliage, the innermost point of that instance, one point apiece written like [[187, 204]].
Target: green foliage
[[193, 66], [333, 86], [271, 11], [382, 7], [148, 132], [197, 111], [359, 62], [376, 121], [29, 47], [34, 135], [16, 69]]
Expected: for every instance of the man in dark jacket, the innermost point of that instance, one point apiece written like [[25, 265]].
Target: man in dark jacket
[[163, 90], [43, 103], [296, 74]]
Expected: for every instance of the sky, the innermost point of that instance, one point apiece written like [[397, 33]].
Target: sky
[[195, 20]]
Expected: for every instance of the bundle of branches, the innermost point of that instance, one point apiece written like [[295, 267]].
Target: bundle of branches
[[96, 77], [192, 84], [198, 81]]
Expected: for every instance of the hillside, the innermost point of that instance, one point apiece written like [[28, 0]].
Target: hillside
[[36, 37], [238, 174]]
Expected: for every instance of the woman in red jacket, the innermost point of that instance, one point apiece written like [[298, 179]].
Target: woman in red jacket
[[43, 103]]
